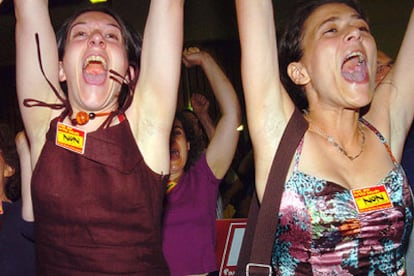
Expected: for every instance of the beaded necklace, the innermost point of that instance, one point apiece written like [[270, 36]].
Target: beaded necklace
[[82, 118]]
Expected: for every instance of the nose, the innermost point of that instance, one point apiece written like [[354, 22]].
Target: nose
[[96, 40], [353, 33]]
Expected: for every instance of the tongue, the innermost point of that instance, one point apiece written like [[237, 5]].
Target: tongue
[[354, 71], [94, 73]]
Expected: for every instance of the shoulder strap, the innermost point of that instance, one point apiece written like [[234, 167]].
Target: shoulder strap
[[257, 246]]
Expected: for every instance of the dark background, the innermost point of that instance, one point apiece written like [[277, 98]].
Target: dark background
[[209, 24]]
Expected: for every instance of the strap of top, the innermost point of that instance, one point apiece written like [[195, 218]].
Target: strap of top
[[257, 245], [381, 137], [298, 153]]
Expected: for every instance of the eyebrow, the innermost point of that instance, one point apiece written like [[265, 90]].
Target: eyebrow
[[85, 23], [336, 18]]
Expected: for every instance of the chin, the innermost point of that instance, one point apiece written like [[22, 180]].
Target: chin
[[94, 103]]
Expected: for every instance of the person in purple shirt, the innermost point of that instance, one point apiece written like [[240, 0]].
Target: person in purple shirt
[[17, 257], [190, 205]]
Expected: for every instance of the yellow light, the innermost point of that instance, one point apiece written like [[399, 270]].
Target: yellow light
[[97, 1]]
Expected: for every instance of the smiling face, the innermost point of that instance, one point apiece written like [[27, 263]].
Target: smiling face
[[94, 45], [339, 57], [179, 148]]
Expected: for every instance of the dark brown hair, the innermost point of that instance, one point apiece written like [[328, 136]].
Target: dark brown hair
[[9, 154]]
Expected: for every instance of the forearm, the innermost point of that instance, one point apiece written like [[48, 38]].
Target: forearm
[[399, 96], [223, 89], [402, 77], [161, 52], [154, 104], [258, 42], [26, 176], [32, 17], [208, 124]]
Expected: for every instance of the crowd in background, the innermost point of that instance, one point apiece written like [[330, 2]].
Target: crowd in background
[[63, 210]]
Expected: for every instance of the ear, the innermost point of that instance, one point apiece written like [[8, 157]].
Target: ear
[[8, 171], [298, 73], [131, 73], [188, 146], [62, 75]]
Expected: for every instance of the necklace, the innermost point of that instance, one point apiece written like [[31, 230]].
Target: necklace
[[170, 185], [331, 139], [82, 118]]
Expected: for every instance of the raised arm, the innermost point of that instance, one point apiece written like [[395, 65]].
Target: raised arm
[[32, 16], [23, 150], [394, 98], [155, 97], [267, 104], [222, 146], [200, 106]]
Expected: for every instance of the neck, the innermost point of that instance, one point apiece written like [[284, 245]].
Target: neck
[[343, 124], [175, 176], [357, 138]]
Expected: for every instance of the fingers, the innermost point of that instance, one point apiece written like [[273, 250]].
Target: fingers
[[189, 50], [191, 56], [199, 98]]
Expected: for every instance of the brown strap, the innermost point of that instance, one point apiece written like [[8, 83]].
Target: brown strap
[[259, 236]]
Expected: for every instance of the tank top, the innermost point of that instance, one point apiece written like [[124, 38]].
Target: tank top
[[97, 213], [324, 230]]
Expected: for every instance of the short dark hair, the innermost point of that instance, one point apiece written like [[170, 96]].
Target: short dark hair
[[12, 187], [196, 147], [290, 45]]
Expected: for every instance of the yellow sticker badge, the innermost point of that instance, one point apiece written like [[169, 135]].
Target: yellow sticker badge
[[70, 138], [371, 199]]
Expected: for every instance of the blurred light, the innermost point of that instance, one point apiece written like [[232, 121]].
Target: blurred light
[[97, 1]]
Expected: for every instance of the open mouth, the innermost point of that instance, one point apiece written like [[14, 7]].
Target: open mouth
[[174, 154], [354, 68], [95, 70]]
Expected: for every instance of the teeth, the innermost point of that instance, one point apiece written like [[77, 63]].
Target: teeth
[[95, 59], [356, 54]]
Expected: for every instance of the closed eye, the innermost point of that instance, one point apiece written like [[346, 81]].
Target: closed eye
[[331, 30]]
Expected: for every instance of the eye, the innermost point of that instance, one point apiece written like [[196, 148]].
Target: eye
[[362, 26], [112, 36], [364, 29], [331, 30], [79, 34]]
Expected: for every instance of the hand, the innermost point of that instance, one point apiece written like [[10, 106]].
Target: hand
[[192, 56], [200, 104]]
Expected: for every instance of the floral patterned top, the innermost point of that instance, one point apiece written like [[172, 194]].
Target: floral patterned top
[[323, 230]]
